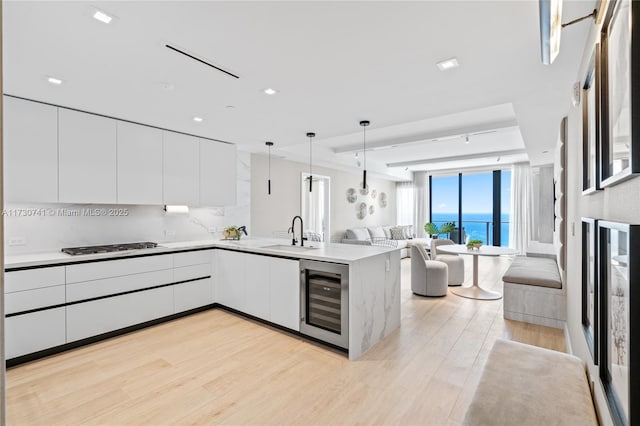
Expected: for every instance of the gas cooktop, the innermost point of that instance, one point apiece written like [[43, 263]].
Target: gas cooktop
[[108, 248]]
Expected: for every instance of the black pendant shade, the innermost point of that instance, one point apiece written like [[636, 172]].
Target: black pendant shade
[[310, 135], [269, 144], [364, 124]]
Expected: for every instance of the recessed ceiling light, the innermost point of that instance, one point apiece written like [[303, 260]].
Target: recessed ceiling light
[[198, 119], [54, 80], [165, 85], [466, 140], [230, 107], [546, 151], [102, 17], [270, 91], [448, 64]]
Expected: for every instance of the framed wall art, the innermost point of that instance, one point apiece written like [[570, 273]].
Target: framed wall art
[[591, 126], [620, 57], [619, 322], [589, 285]]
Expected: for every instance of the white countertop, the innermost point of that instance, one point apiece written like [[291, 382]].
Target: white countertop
[[329, 252]]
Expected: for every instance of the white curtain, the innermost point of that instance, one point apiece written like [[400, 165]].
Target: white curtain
[[421, 202], [404, 203], [521, 207]]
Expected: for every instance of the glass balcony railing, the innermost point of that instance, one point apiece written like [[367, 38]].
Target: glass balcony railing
[[477, 230]]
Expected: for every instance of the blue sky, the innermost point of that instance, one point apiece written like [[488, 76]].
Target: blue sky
[[477, 193]]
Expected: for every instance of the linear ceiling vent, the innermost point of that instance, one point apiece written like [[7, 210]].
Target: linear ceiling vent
[[202, 61]]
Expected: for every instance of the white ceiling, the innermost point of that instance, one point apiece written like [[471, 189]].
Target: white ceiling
[[333, 63]]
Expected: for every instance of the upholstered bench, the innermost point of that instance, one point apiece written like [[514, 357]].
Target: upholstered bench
[[526, 385], [533, 292]]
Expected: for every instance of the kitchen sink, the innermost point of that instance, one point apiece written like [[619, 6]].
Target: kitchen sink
[[285, 247]]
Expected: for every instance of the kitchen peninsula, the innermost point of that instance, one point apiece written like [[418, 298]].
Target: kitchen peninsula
[[55, 301]]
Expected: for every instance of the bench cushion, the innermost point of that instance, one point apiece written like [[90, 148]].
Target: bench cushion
[[534, 271], [527, 385]]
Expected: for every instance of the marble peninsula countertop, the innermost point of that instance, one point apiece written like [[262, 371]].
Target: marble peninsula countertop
[[328, 252]]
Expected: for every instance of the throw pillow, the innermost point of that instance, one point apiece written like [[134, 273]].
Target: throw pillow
[[408, 231], [387, 232], [376, 232], [358, 234], [397, 233]]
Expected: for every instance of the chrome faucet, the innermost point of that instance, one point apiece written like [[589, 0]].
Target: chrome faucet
[[293, 231]]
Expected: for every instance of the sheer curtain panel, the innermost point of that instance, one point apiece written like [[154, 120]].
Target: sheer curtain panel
[[521, 207]]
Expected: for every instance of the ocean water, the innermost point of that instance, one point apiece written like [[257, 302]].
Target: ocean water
[[475, 225]]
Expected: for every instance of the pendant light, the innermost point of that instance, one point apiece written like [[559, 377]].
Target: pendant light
[[310, 135], [269, 144], [364, 124]]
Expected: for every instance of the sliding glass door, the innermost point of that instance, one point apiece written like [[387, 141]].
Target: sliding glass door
[[445, 202], [477, 207]]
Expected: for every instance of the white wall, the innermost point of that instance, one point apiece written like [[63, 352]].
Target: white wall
[[619, 203], [50, 229], [271, 214]]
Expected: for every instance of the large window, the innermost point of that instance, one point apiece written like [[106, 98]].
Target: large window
[[478, 201], [445, 201]]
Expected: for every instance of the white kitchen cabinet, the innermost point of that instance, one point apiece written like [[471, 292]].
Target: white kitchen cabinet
[[284, 291], [27, 300], [87, 158], [139, 155], [33, 332], [218, 174], [112, 313], [181, 169], [230, 278], [31, 279], [117, 268], [257, 286], [106, 286], [192, 295], [30, 151]]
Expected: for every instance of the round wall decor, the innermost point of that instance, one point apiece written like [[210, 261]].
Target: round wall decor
[[361, 211], [372, 209], [352, 195], [374, 193]]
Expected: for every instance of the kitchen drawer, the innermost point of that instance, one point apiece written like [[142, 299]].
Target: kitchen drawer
[[33, 299], [191, 272], [116, 268], [191, 258], [33, 278], [96, 288], [34, 332], [192, 294], [113, 313]]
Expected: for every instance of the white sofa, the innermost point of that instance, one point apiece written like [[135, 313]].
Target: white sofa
[[381, 235]]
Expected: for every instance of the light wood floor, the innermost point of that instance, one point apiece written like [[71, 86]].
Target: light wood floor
[[215, 367]]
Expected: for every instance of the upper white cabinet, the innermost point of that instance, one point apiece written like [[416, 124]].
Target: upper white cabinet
[[217, 173], [87, 158], [181, 175], [30, 151], [139, 164]]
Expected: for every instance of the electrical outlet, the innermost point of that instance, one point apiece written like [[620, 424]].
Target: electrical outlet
[[169, 233], [17, 241]]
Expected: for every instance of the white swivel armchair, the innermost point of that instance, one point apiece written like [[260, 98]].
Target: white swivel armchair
[[428, 277], [453, 261]]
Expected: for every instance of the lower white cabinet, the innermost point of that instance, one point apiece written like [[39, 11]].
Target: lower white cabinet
[[112, 313], [230, 277], [192, 295], [284, 292], [263, 286], [257, 286], [34, 332]]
